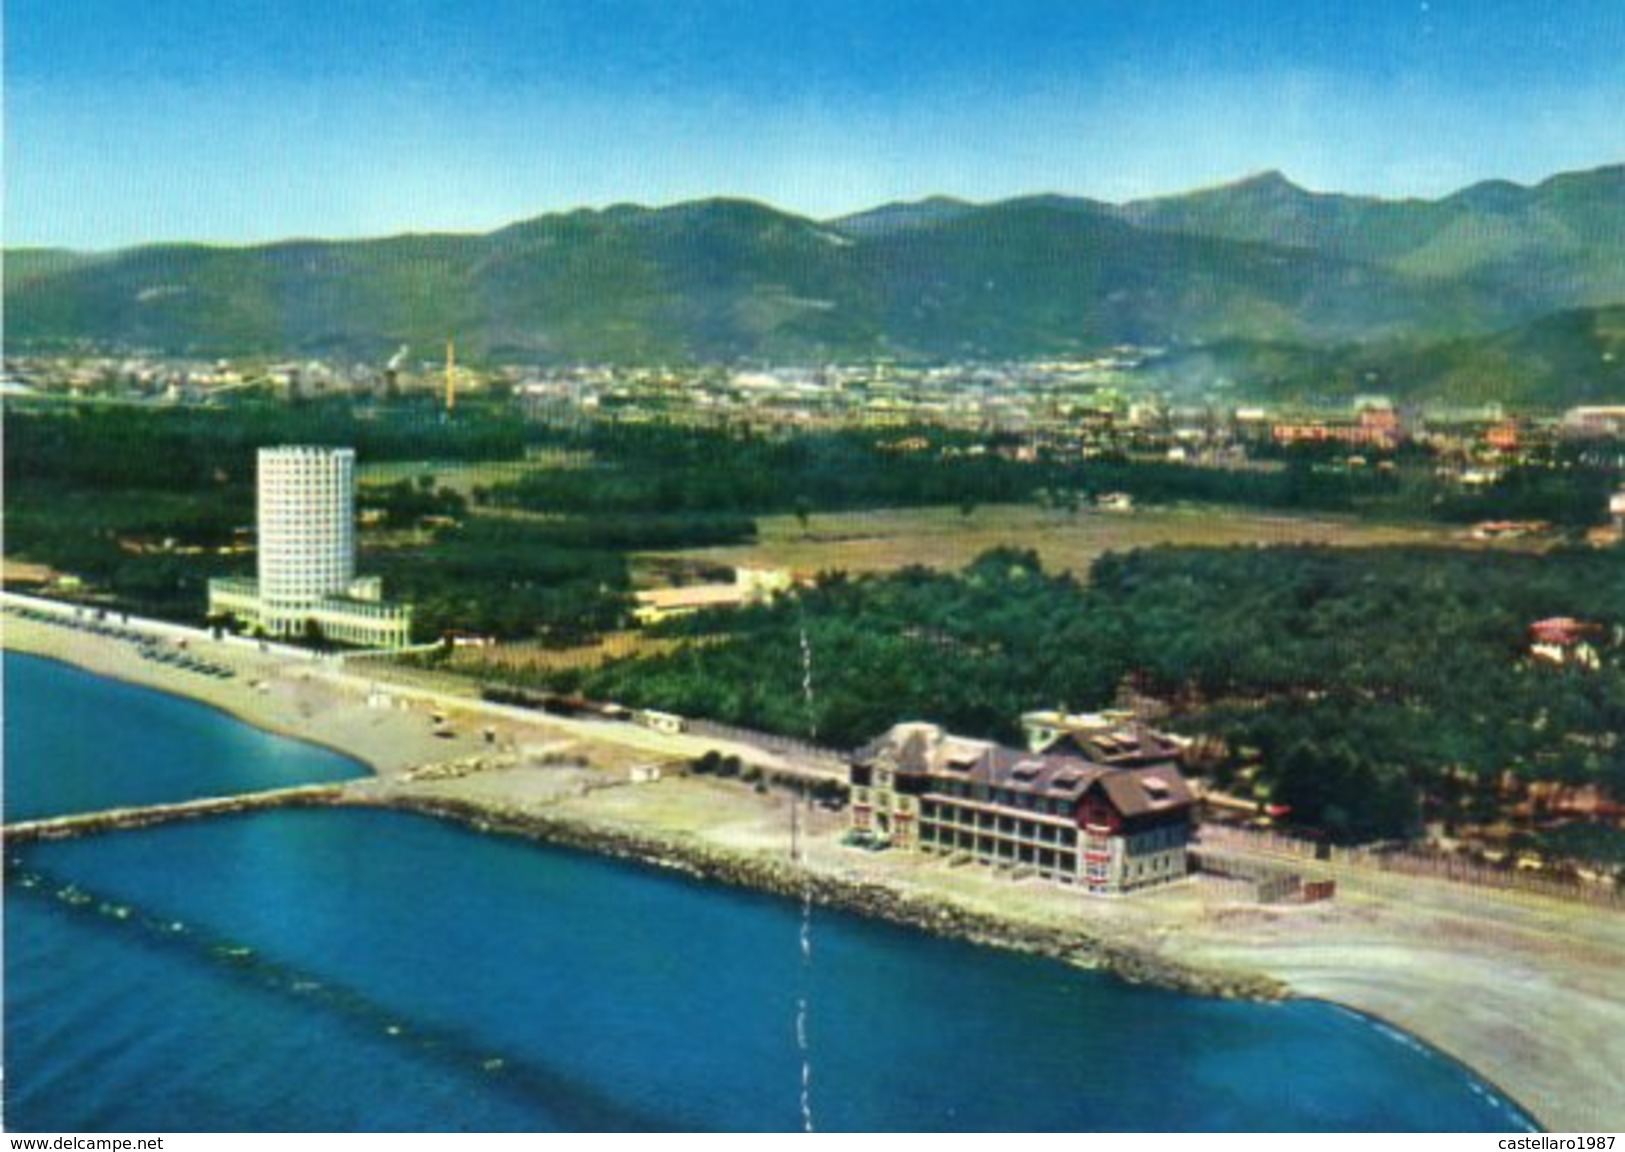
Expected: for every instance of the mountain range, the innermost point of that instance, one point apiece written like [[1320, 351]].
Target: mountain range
[[1240, 272]]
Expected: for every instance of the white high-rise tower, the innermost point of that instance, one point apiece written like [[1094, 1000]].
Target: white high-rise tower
[[307, 583], [306, 527]]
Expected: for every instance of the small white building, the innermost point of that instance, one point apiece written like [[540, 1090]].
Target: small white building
[[668, 722]]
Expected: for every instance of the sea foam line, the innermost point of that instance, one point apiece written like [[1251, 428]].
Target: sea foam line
[[801, 1013]]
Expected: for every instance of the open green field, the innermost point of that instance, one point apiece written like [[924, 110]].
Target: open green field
[[463, 476], [531, 656], [943, 538]]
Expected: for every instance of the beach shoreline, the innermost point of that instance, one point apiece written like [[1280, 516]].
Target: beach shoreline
[[1518, 989]]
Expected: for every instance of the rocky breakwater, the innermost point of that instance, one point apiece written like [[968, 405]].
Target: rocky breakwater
[[117, 819], [708, 862]]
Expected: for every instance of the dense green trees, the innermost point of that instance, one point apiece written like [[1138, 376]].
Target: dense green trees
[[656, 468], [1365, 689], [407, 503], [207, 450], [1569, 493], [660, 468], [137, 501], [81, 478]]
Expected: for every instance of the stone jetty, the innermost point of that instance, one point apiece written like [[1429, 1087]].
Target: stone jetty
[[115, 819]]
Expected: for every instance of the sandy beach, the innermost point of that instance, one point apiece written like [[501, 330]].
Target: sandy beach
[[1523, 989]]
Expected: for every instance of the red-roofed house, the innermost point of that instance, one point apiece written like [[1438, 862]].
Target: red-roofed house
[[1564, 640]]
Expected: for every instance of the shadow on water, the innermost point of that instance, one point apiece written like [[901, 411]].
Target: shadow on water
[[575, 1106]]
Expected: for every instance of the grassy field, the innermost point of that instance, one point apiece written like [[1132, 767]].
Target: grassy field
[[463, 476], [943, 538], [531, 656]]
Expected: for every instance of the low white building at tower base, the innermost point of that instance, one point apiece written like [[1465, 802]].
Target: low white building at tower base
[[351, 619]]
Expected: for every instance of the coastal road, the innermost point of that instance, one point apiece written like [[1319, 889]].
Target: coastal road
[[657, 746]]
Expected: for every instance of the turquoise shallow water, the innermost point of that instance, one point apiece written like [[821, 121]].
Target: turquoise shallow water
[[336, 969]]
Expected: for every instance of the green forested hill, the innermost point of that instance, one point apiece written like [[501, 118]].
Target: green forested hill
[[1556, 245], [1260, 262], [1571, 357], [723, 279]]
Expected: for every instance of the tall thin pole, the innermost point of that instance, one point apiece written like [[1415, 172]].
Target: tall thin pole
[[451, 374], [795, 828]]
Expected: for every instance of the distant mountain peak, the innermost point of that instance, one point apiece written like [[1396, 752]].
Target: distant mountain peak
[[1059, 202], [1492, 195], [902, 215], [721, 206], [1269, 185], [1271, 180]]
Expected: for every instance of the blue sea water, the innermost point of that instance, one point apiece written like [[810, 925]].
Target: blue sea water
[[81, 743], [350, 970]]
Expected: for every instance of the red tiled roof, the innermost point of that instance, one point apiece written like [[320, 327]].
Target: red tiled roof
[[1561, 630], [1135, 789]]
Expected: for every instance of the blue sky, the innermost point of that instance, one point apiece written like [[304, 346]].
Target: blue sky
[[230, 120]]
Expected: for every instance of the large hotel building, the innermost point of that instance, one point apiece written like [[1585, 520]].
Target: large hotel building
[[1107, 811], [306, 561]]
